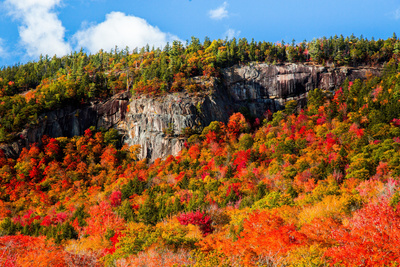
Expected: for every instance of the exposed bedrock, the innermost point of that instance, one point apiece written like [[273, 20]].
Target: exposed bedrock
[[156, 123]]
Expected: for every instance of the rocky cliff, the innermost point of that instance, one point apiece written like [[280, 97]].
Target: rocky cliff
[[262, 86], [71, 121], [256, 87], [157, 122]]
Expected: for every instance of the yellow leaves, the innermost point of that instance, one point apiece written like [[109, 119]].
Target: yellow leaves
[[137, 237], [306, 256], [167, 235], [212, 46], [359, 167], [134, 152], [332, 206], [274, 167], [155, 257], [321, 130], [272, 200], [207, 179], [211, 259], [91, 243], [193, 60], [290, 214], [175, 235], [237, 216]]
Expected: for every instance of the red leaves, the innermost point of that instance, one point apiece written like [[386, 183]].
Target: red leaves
[[194, 152], [52, 148], [21, 250], [265, 237], [101, 219], [320, 231], [197, 218], [211, 137], [11, 247], [237, 124], [233, 188], [358, 131], [26, 219], [396, 122], [109, 157], [242, 158], [114, 240], [34, 173], [371, 239], [88, 133], [115, 198], [56, 219]]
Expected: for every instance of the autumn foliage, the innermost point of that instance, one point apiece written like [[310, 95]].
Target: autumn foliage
[[312, 187]]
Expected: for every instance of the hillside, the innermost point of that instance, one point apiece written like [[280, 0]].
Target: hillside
[[307, 185]]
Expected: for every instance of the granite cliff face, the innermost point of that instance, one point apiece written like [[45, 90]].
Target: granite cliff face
[[71, 121], [270, 86], [256, 87], [157, 123]]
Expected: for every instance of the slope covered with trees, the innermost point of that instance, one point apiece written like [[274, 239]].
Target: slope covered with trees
[[27, 90], [315, 187]]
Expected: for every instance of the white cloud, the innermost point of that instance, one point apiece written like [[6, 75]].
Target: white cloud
[[121, 30], [396, 14], [231, 33], [220, 12], [41, 31], [2, 49]]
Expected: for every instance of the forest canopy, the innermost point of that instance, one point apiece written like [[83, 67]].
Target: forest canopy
[[27, 90], [313, 187]]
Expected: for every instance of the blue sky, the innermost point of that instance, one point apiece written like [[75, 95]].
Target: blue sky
[[29, 28]]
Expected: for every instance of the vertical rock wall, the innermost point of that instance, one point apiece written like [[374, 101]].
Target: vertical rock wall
[[156, 123]]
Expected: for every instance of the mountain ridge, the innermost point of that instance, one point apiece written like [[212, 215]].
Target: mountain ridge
[[144, 119]]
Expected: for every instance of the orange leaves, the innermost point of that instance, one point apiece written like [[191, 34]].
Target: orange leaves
[[237, 124], [372, 238], [158, 257], [265, 239], [52, 148], [304, 182], [194, 152], [312, 165], [320, 231], [27, 251], [101, 219], [179, 82], [108, 158], [30, 95]]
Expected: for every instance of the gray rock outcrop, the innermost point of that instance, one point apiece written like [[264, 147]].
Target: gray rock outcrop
[[270, 86], [156, 123]]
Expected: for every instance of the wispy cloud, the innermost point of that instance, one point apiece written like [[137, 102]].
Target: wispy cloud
[[41, 31], [121, 30], [2, 49], [220, 12], [231, 33], [396, 14]]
